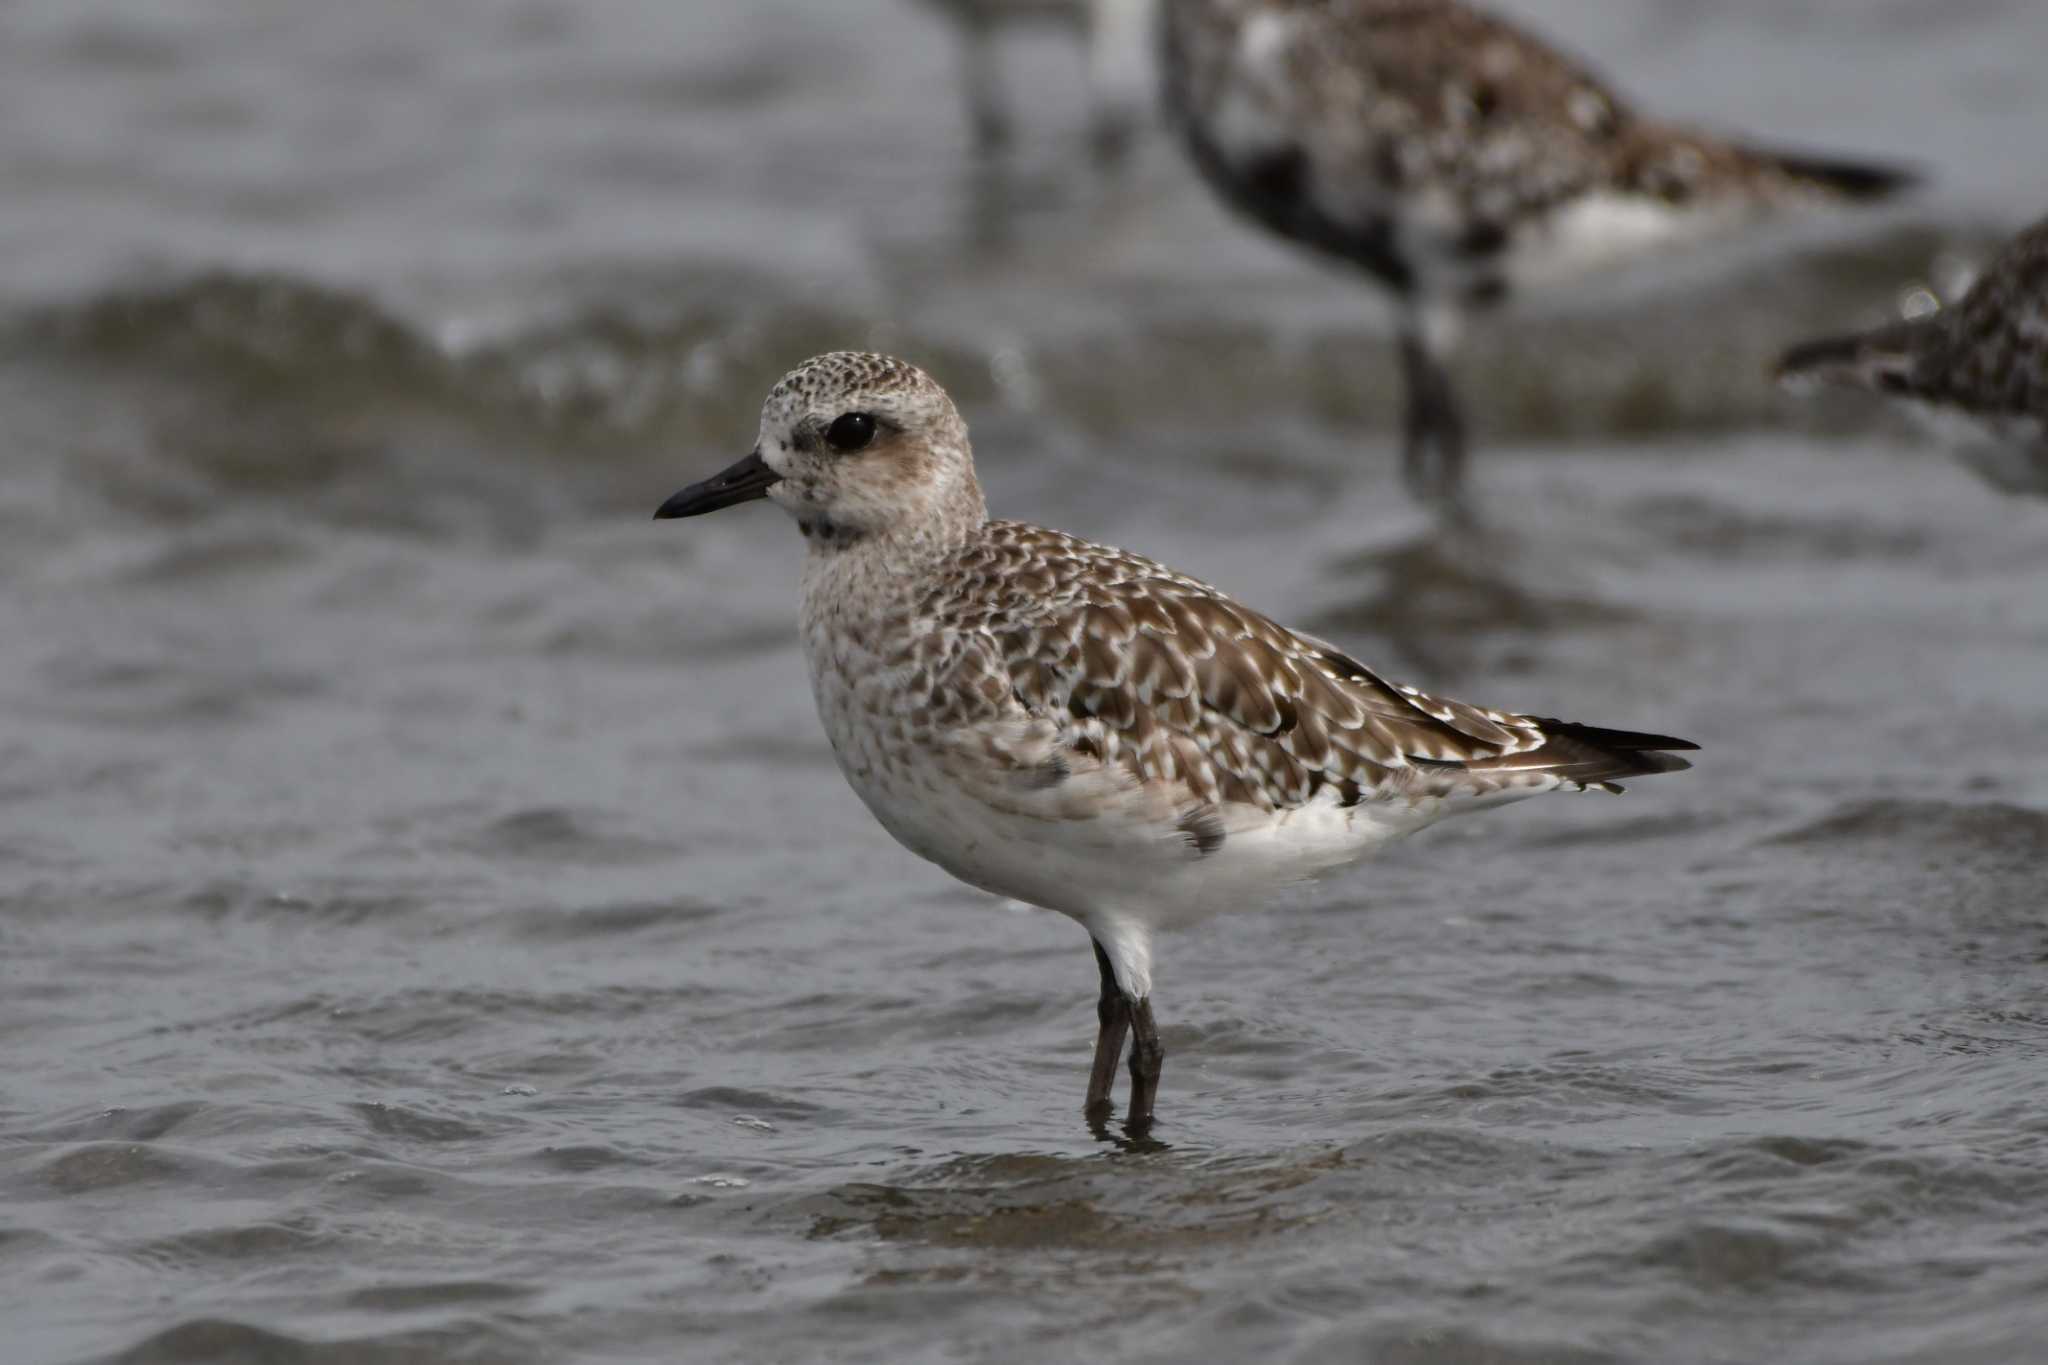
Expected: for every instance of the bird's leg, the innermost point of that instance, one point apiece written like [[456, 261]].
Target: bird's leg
[[1113, 1015], [1120, 78], [1147, 1056], [1112, 128], [1433, 429], [988, 111]]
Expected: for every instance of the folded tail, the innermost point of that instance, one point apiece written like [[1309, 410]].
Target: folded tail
[[1583, 756]]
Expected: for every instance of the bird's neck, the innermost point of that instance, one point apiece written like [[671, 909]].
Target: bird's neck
[[928, 533], [884, 566]]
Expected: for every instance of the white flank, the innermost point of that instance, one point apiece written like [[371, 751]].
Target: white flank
[[1603, 230]]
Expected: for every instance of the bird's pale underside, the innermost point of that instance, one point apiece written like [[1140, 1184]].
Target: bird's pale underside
[[1456, 159], [1977, 371], [1081, 728]]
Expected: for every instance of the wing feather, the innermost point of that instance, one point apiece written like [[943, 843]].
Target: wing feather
[[1128, 664]]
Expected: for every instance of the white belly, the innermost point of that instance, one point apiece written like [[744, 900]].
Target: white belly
[[1121, 855], [1605, 231]]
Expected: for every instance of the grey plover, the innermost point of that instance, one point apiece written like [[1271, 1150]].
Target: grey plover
[[1977, 371], [1458, 161], [1118, 37], [1080, 728]]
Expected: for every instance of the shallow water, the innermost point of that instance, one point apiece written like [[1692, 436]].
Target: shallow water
[[431, 926]]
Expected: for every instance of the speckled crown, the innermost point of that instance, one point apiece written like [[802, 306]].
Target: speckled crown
[[842, 372]]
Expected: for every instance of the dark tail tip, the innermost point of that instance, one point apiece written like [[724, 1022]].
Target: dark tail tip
[[1596, 755], [1861, 181]]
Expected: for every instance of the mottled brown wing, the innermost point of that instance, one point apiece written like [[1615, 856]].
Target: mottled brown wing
[[1462, 97], [1456, 64], [1155, 671], [1141, 667]]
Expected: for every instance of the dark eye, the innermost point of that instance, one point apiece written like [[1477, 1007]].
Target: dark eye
[[850, 432]]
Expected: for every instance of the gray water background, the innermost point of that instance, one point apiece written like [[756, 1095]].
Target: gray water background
[[432, 928]]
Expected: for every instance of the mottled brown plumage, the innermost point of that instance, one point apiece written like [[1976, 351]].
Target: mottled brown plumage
[[1154, 671], [1082, 728], [1458, 160]]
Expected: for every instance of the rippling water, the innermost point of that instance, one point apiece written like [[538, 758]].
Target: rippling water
[[431, 926]]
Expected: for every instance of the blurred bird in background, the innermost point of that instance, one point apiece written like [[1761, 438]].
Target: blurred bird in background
[[1975, 372], [1458, 161]]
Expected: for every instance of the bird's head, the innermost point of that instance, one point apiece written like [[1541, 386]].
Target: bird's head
[[852, 445]]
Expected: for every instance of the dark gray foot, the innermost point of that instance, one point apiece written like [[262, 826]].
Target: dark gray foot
[[991, 124], [1113, 1016], [1147, 1057], [1433, 432], [981, 75], [1111, 133]]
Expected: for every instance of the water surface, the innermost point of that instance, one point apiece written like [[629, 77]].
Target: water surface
[[431, 926]]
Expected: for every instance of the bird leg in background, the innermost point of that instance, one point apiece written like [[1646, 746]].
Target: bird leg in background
[[1120, 73], [981, 74], [1147, 1058], [1113, 1014], [1433, 426]]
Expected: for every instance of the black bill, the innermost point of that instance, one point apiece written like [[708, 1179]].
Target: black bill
[[751, 478]]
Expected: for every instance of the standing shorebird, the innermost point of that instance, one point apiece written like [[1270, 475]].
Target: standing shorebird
[[1117, 34], [1458, 161], [1978, 371], [1080, 728]]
